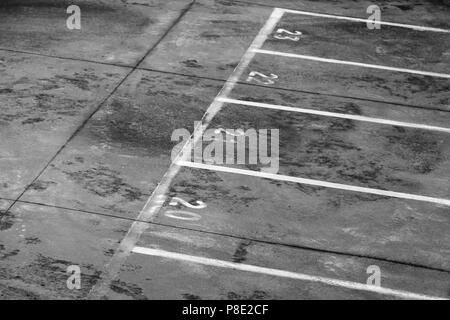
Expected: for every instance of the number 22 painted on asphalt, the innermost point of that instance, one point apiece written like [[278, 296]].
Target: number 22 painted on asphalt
[[283, 34], [261, 77]]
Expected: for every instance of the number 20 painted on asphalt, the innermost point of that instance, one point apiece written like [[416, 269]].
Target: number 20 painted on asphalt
[[283, 34]]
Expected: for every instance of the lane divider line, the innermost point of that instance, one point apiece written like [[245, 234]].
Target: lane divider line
[[352, 63], [334, 114], [282, 273], [313, 182], [392, 24]]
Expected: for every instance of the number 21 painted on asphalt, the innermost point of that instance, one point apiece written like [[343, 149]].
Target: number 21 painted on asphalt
[[283, 34], [261, 78]]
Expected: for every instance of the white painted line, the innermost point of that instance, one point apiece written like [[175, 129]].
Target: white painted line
[[217, 105], [250, 53], [282, 273], [335, 115], [312, 182], [351, 63], [393, 24], [182, 215]]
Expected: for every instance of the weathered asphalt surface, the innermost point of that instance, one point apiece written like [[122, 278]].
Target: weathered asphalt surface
[[86, 120]]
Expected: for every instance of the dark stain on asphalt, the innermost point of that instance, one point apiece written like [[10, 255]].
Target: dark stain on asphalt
[[102, 20], [78, 80], [306, 189], [350, 199], [192, 63], [421, 150], [259, 99], [6, 220], [52, 272], [32, 120], [105, 182], [241, 251], [40, 185], [8, 292], [366, 81], [109, 252], [190, 296], [9, 254], [255, 295], [47, 3], [210, 35], [365, 173], [79, 159], [6, 90], [404, 7], [205, 190], [348, 108], [43, 107], [132, 127], [32, 240], [329, 143], [130, 290]]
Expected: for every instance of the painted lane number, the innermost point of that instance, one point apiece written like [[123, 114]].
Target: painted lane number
[[283, 34], [261, 78], [175, 200], [183, 214]]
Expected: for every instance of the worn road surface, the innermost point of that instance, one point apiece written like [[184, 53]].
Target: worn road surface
[[86, 177]]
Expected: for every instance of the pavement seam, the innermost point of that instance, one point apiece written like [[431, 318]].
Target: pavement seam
[[222, 80], [253, 240], [301, 91], [44, 55], [101, 104]]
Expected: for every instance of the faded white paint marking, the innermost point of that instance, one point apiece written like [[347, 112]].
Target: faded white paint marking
[[312, 182], [335, 115], [182, 215], [175, 200], [351, 63], [282, 273], [392, 24]]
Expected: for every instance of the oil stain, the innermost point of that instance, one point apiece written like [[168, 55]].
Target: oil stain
[[255, 295], [105, 182], [241, 251], [130, 290]]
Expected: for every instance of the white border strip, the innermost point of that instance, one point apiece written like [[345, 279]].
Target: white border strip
[[312, 182], [334, 114], [393, 24], [351, 63], [282, 273]]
